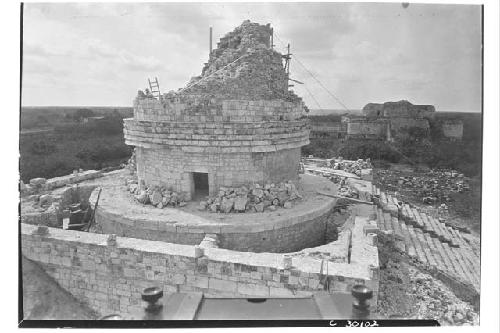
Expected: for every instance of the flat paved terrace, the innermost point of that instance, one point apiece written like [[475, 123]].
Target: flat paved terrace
[[118, 212]]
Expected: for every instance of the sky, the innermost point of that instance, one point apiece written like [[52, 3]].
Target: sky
[[100, 54]]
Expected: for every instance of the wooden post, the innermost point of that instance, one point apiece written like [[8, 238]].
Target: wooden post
[[288, 63], [210, 40], [272, 38]]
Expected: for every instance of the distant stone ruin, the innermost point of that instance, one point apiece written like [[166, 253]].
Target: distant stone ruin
[[401, 109], [388, 120]]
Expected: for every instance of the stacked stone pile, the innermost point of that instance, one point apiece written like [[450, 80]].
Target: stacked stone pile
[[355, 167], [157, 196], [254, 198], [348, 192]]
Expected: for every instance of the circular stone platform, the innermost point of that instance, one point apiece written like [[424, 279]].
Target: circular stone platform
[[283, 230]]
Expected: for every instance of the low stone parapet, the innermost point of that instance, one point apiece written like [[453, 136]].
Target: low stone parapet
[[39, 185], [110, 275]]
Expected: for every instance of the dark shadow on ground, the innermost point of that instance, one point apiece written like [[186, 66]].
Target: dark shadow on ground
[[43, 298]]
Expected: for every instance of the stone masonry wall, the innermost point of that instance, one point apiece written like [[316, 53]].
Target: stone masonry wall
[[453, 129], [173, 167], [289, 237], [367, 128], [189, 108], [401, 124], [110, 278]]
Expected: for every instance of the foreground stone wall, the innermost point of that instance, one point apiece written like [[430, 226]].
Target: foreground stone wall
[[110, 278]]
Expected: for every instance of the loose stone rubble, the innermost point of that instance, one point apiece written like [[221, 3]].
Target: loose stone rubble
[[355, 167], [407, 292], [158, 196], [254, 198], [434, 187]]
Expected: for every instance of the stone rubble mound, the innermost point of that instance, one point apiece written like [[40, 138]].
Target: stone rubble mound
[[157, 196], [355, 167], [254, 198], [243, 66], [433, 187]]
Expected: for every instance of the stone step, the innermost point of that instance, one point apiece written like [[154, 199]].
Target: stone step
[[397, 227], [431, 227], [444, 230], [455, 261], [444, 255], [405, 215], [416, 244], [471, 263], [454, 242], [383, 198], [391, 200], [416, 219], [469, 275], [427, 225], [410, 218], [388, 222], [441, 265], [467, 250], [467, 268], [380, 220], [410, 248], [441, 233], [425, 248]]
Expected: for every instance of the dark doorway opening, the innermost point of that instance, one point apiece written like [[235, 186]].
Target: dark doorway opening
[[200, 185]]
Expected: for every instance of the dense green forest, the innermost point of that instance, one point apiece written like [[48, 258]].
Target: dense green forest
[[71, 144]]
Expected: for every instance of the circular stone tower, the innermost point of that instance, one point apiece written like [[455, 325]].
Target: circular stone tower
[[236, 124]]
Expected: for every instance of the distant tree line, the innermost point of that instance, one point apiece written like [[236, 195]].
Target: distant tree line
[[93, 145]]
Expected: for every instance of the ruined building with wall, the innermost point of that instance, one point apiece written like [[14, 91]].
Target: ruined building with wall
[[389, 120], [234, 125]]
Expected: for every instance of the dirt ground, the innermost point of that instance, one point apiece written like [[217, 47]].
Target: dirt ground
[[409, 293], [464, 208], [44, 299]]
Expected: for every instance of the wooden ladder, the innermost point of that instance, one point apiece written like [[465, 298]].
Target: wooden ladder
[[154, 86]]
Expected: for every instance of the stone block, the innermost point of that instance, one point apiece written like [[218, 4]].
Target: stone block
[[252, 289], [280, 292], [225, 285], [38, 181]]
